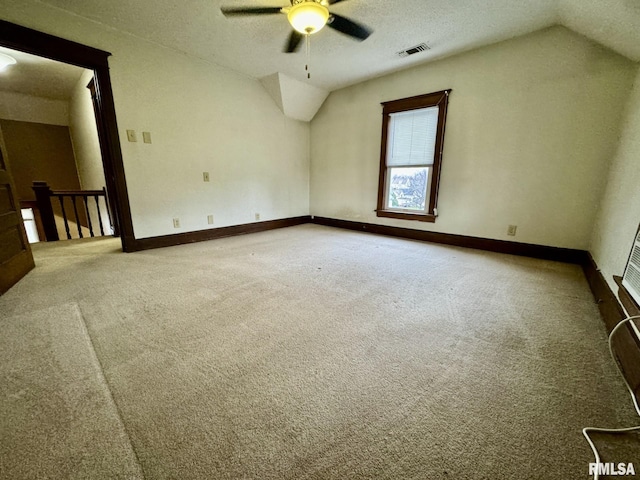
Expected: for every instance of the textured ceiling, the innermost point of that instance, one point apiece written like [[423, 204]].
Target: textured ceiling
[[39, 76], [253, 45], [613, 23]]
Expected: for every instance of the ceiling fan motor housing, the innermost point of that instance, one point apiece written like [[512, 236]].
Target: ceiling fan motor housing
[[308, 16]]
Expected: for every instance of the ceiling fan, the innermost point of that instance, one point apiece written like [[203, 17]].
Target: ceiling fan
[[306, 17]]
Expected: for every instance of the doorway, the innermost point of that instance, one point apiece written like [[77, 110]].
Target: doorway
[[40, 44]]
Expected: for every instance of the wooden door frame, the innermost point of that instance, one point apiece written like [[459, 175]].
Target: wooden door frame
[[41, 44], [19, 261], [102, 140]]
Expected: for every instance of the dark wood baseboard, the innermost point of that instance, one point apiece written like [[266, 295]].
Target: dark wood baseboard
[[629, 304], [501, 246], [608, 304], [212, 233], [567, 255], [626, 342]]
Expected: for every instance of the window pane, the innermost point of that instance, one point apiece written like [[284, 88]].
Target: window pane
[[412, 137], [407, 188]]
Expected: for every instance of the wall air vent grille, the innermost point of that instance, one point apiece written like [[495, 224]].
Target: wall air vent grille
[[413, 50], [631, 278]]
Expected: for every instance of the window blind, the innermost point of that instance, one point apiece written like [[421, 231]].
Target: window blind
[[412, 136]]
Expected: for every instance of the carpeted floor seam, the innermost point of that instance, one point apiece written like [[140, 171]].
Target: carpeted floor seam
[[110, 393]]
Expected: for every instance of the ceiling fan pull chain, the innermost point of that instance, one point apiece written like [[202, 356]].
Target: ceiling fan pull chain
[[308, 42]]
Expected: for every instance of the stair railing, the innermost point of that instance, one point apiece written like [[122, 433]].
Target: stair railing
[[46, 206]]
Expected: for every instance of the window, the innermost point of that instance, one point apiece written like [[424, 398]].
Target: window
[[411, 156]]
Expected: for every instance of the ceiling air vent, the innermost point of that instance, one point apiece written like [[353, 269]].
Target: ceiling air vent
[[410, 51]]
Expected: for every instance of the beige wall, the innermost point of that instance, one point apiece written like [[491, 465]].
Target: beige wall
[[531, 126], [205, 118], [27, 108], [202, 117], [84, 135], [39, 152], [619, 212], [86, 146]]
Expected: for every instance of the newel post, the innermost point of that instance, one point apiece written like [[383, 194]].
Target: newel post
[[43, 198]]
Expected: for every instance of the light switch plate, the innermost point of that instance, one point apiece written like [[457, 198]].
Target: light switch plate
[[131, 136], [205, 176], [146, 137]]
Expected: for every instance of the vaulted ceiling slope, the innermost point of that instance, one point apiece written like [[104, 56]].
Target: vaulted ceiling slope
[[613, 23], [253, 45]]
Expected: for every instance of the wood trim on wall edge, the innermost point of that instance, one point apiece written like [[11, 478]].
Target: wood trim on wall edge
[[612, 312], [567, 255], [627, 301], [213, 233]]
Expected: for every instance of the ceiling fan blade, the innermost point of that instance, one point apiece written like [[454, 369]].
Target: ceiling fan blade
[[231, 12], [294, 42], [348, 27]]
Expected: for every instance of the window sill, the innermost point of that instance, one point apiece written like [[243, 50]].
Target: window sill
[[420, 217]]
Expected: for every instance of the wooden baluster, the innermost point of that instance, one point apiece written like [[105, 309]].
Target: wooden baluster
[[75, 212], [106, 204], [64, 216], [86, 209], [43, 197], [99, 214]]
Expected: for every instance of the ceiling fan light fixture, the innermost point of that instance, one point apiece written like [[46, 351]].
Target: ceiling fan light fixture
[[308, 16], [5, 61]]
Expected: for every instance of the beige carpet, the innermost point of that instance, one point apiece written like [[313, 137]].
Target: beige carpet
[[301, 353], [57, 417]]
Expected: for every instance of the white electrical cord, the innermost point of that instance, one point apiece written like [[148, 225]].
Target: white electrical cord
[[585, 431]]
